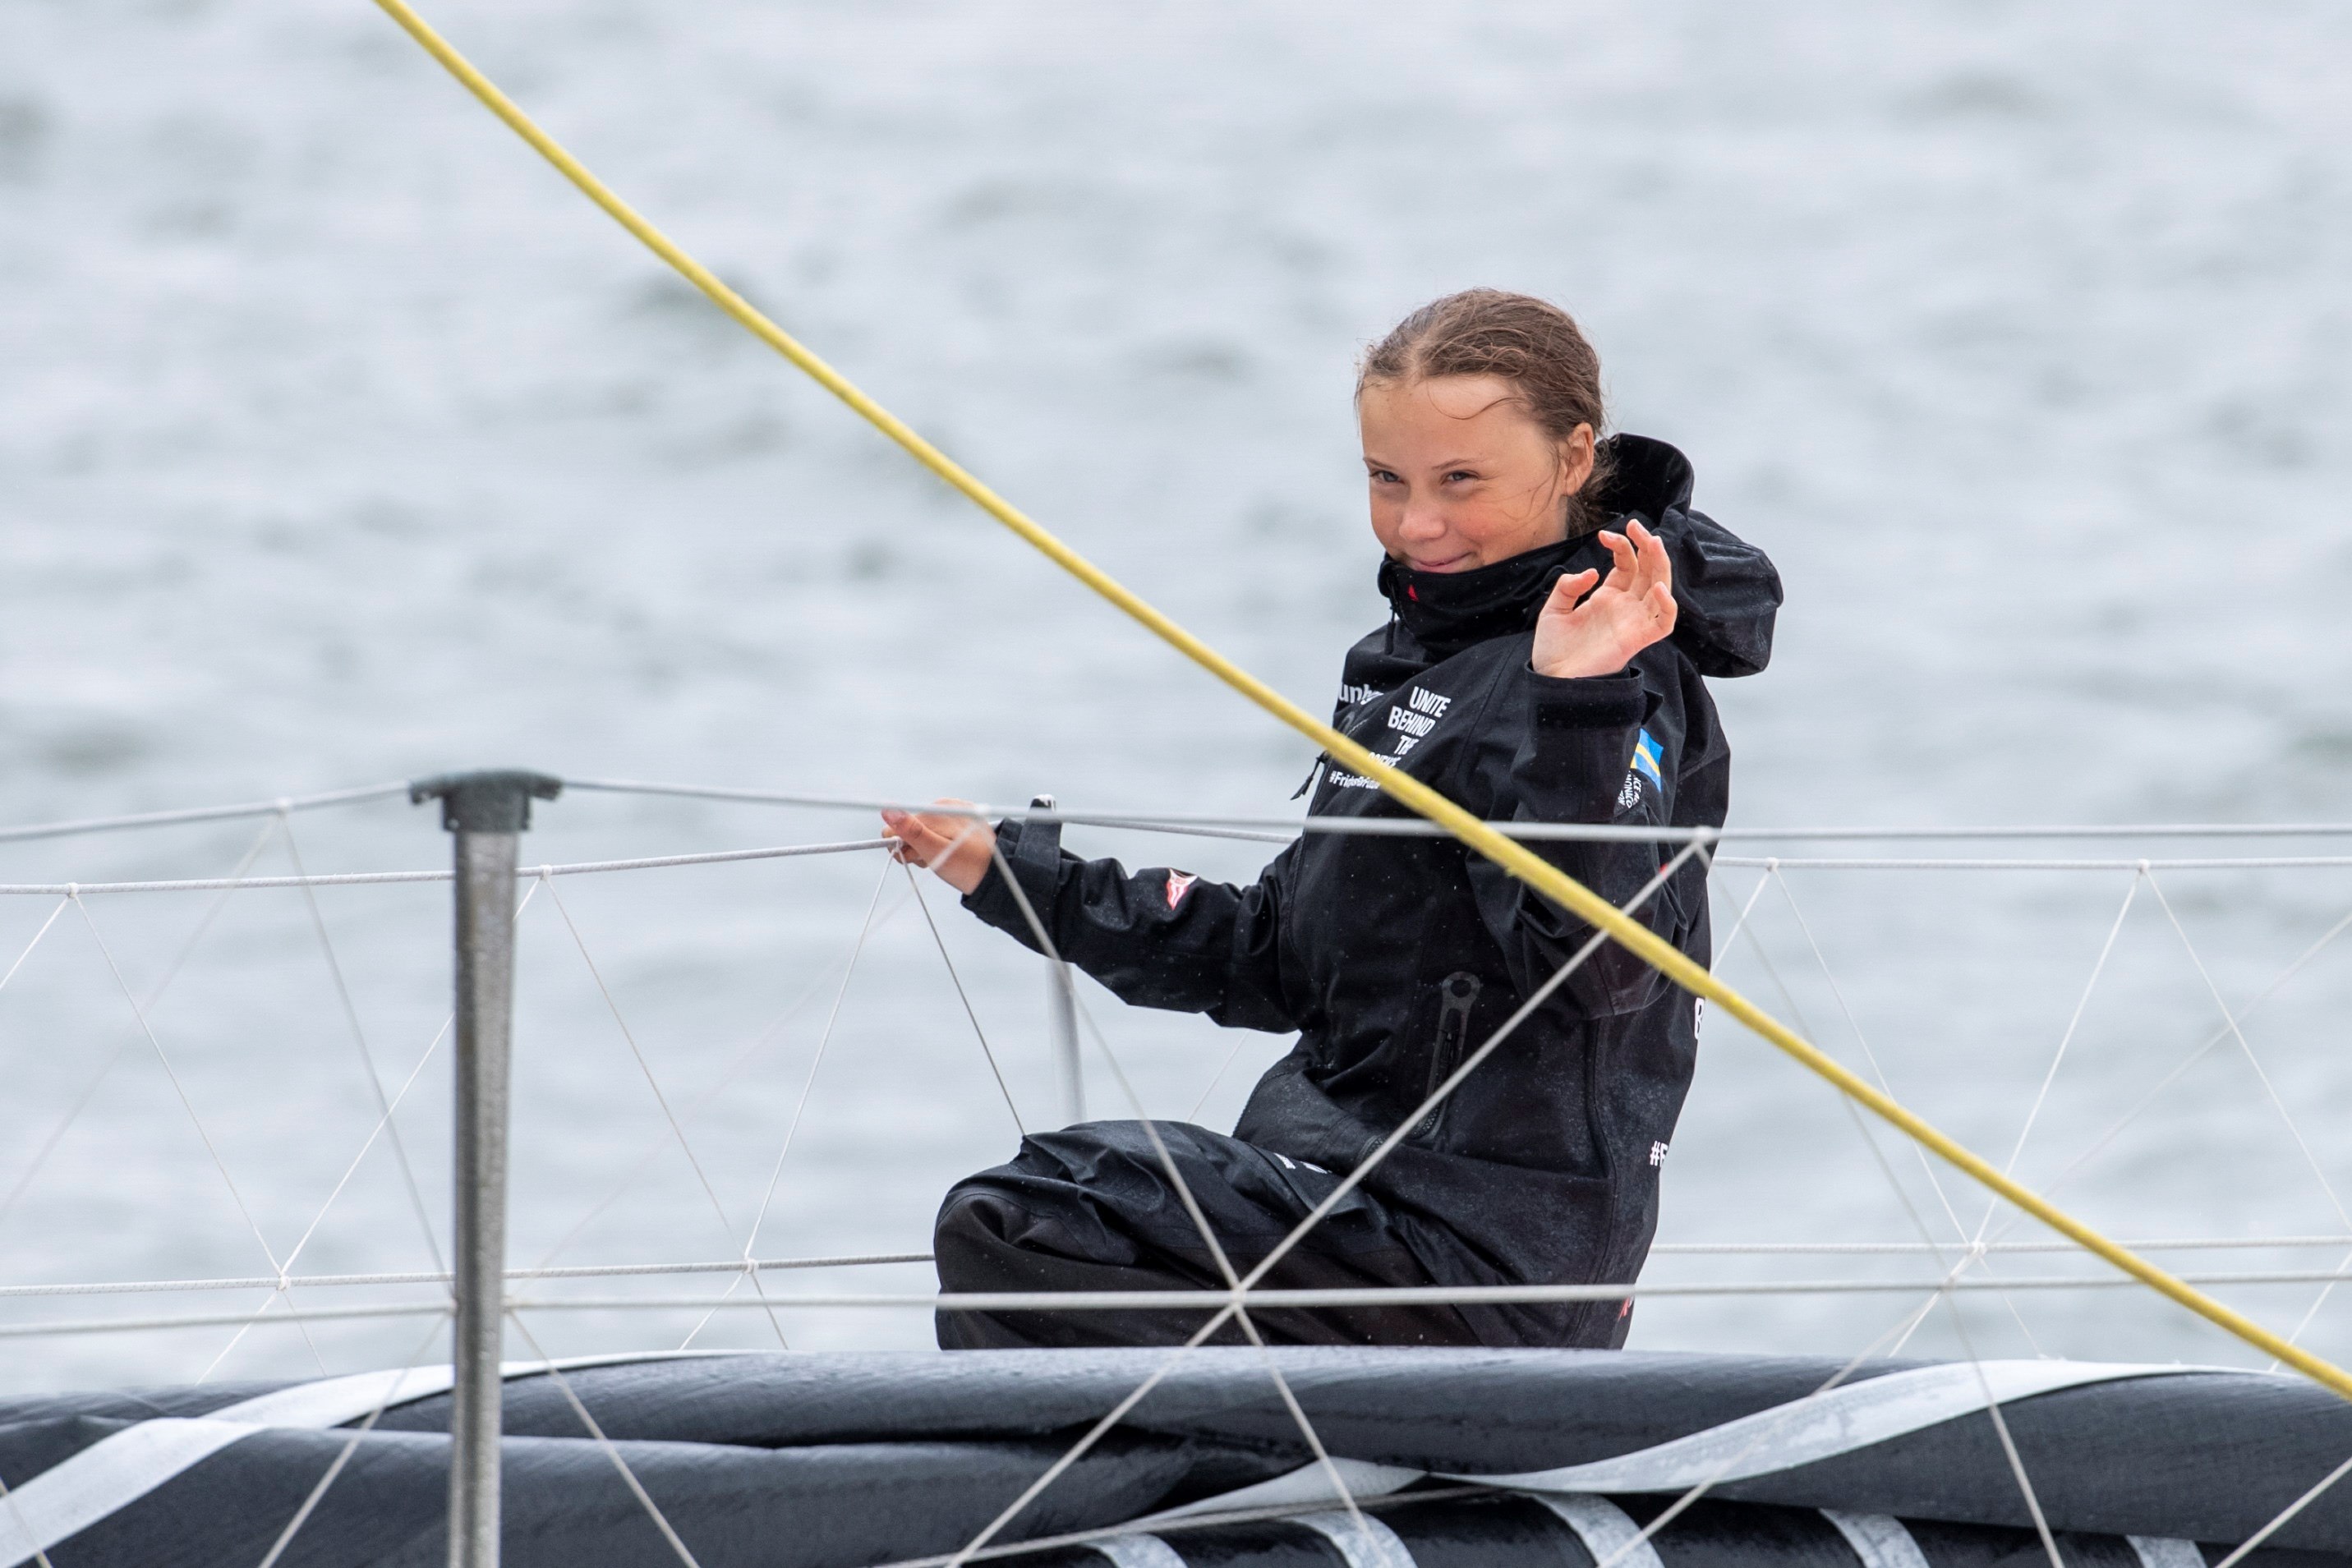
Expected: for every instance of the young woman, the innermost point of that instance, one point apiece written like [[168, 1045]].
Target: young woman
[[1555, 603]]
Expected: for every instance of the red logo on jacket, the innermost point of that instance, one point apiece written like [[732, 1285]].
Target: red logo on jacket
[[1179, 883]]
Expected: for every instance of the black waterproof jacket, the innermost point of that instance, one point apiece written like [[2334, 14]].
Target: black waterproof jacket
[[1395, 957]]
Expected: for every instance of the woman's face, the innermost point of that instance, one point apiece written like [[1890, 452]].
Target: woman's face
[[1461, 477]]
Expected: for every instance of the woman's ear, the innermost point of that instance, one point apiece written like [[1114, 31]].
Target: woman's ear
[[1575, 459]]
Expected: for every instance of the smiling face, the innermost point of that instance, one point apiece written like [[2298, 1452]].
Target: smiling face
[[1461, 477]]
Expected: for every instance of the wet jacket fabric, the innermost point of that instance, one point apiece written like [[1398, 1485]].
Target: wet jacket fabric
[[1393, 958]]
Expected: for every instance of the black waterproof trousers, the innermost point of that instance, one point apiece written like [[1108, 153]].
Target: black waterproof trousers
[[1092, 1208]]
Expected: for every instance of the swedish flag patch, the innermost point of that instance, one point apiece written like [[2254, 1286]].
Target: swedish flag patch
[[1647, 757]]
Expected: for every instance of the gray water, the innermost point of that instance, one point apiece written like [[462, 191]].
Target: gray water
[[341, 442]]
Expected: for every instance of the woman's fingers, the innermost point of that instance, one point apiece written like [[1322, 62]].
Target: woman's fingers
[[1656, 565], [924, 835], [1662, 608], [1622, 556], [958, 847], [1566, 591], [916, 842]]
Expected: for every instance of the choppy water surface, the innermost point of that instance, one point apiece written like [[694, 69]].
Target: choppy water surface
[[341, 442]]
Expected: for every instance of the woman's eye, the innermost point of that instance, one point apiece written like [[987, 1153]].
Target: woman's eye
[[1460, 474], [1382, 476]]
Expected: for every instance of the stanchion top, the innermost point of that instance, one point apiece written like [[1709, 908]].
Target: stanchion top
[[488, 800]]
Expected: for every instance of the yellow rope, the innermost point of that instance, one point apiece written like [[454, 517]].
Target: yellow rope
[[1520, 861]]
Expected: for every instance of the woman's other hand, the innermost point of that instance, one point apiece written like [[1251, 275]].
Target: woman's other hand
[[958, 849], [1631, 610]]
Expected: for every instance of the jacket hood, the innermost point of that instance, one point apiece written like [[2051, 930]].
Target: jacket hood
[[1725, 589]]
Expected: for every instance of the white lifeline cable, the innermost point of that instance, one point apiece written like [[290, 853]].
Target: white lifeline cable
[[117, 1471], [1882, 1543], [1607, 1531]]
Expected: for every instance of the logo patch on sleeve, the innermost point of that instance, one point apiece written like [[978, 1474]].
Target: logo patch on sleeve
[[1648, 755], [1179, 883]]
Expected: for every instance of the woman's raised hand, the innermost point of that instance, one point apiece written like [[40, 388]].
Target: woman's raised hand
[[958, 849], [1631, 610]]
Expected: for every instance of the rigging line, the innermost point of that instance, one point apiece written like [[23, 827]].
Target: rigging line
[[1919, 1223], [244, 1326], [611, 1449], [212, 912], [201, 813], [2099, 1144], [808, 1085], [367, 1057], [36, 942], [2303, 1324], [1221, 1303], [2230, 1019], [73, 1111], [717, 1086], [1877, 1071], [1514, 858], [311, 1502], [2238, 1555], [1899, 1331], [957, 981], [2073, 1022], [65, 1123], [443, 1277], [1157, 820], [214, 1319], [376, 878], [1939, 1251], [1438, 1096], [1788, 998], [1748, 908], [1219, 1077], [1313, 1440], [2008, 1443], [384, 1120], [1968, 1253], [636, 1052], [1062, 973], [178, 1088], [726, 1226], [2231, 1025], [1175, 1176], [1085, 1443], [799, 1106], [1926, 1167], [1201, 1222], [1284, 1298], [1977, 1249], [447, 1023], [25, 1527]]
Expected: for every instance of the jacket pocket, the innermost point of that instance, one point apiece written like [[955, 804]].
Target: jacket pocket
[[1456, 995]]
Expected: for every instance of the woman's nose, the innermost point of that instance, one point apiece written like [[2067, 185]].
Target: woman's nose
[[1422, 523]]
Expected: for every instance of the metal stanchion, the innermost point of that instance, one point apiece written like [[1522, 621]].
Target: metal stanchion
[[1062, 1019], [486, 813]]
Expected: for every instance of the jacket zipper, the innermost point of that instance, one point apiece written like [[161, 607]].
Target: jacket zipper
[[1455, 996]]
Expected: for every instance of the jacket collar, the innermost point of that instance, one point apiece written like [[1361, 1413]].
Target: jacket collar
[[1446, 612]]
